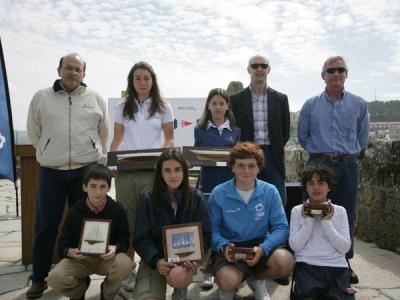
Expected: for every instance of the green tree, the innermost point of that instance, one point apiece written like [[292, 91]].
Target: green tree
[[384, 111]]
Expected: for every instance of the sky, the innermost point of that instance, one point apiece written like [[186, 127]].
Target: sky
[[197, 45]]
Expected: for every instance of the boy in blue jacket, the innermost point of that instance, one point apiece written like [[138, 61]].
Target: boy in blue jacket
[[248, 212]]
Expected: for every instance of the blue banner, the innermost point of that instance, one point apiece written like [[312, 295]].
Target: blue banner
[[7, 158]]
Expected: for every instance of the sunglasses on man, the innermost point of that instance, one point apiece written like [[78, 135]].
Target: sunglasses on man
[[256, 66], [333, 70]]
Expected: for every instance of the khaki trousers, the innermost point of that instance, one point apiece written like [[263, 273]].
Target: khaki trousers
[[128, 186], [69, 276]]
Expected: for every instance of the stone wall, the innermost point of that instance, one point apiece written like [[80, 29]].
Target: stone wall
[[378, 208], [295, 161]]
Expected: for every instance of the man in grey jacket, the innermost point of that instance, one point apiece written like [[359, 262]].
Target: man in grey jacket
[[68, 125]]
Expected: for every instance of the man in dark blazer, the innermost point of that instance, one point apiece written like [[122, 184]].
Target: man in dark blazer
[[264, 118]]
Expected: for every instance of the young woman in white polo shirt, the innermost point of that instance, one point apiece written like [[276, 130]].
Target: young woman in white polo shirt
[[140, 120]]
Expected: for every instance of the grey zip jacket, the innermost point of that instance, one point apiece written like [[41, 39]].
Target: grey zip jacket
[[67, 130]]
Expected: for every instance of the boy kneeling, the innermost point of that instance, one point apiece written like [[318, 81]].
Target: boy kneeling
[[248, 212], [319, 236], [70, 276]]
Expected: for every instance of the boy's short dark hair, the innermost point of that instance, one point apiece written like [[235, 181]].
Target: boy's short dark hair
[[323, 173], [97, 171]]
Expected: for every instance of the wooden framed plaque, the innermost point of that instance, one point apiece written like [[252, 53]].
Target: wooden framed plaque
[[241, 253], [183, 242], [316, 209], [134, 159], [206, 156], [95, 236]]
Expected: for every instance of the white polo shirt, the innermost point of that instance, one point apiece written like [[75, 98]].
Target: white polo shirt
[[143, 132]]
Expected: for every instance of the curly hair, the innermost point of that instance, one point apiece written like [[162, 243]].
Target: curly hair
[[322, 172], [246, 150]]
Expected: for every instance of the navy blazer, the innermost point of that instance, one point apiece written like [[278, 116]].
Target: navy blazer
[[278, 121]]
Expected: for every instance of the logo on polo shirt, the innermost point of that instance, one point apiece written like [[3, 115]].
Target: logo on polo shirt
[[260, 211], [259, 207]]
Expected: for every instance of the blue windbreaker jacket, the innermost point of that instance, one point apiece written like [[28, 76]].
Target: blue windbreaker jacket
[[233, 221]]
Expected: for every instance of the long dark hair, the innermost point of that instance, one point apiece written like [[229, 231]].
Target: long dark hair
[[157, 103], [206, 116], [160, 188]]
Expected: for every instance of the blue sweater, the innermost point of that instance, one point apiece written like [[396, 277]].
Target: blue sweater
[[210, 177], [232, 220]]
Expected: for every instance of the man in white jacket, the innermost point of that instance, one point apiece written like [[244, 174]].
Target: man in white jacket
[[68, 125]]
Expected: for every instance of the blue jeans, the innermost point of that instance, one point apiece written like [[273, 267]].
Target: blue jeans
[[270, 173], [54, 187], [345, 193]]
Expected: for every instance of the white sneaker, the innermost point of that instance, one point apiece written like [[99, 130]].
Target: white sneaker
[[207, 282], [179, 294], [129, 283], [259, 289], [225, 295]]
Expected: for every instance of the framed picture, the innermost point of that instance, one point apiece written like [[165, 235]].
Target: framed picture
[[95, 236], [206, 156], [183, 242], [134, 159]]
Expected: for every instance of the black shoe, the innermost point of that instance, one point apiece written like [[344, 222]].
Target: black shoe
[[36, 290], [84, 293], [353, 278], [282, 280]]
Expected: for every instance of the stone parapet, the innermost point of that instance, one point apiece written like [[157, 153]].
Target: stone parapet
[[295, 161], [378, 209]]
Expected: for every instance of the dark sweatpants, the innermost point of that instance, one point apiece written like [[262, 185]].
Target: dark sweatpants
[[320, 283]]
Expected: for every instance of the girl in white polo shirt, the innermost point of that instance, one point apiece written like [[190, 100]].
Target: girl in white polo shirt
[[140, 120]]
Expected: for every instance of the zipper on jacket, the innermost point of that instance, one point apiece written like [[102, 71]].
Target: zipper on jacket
[[45, 146], [93, 143], [69, 131]]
